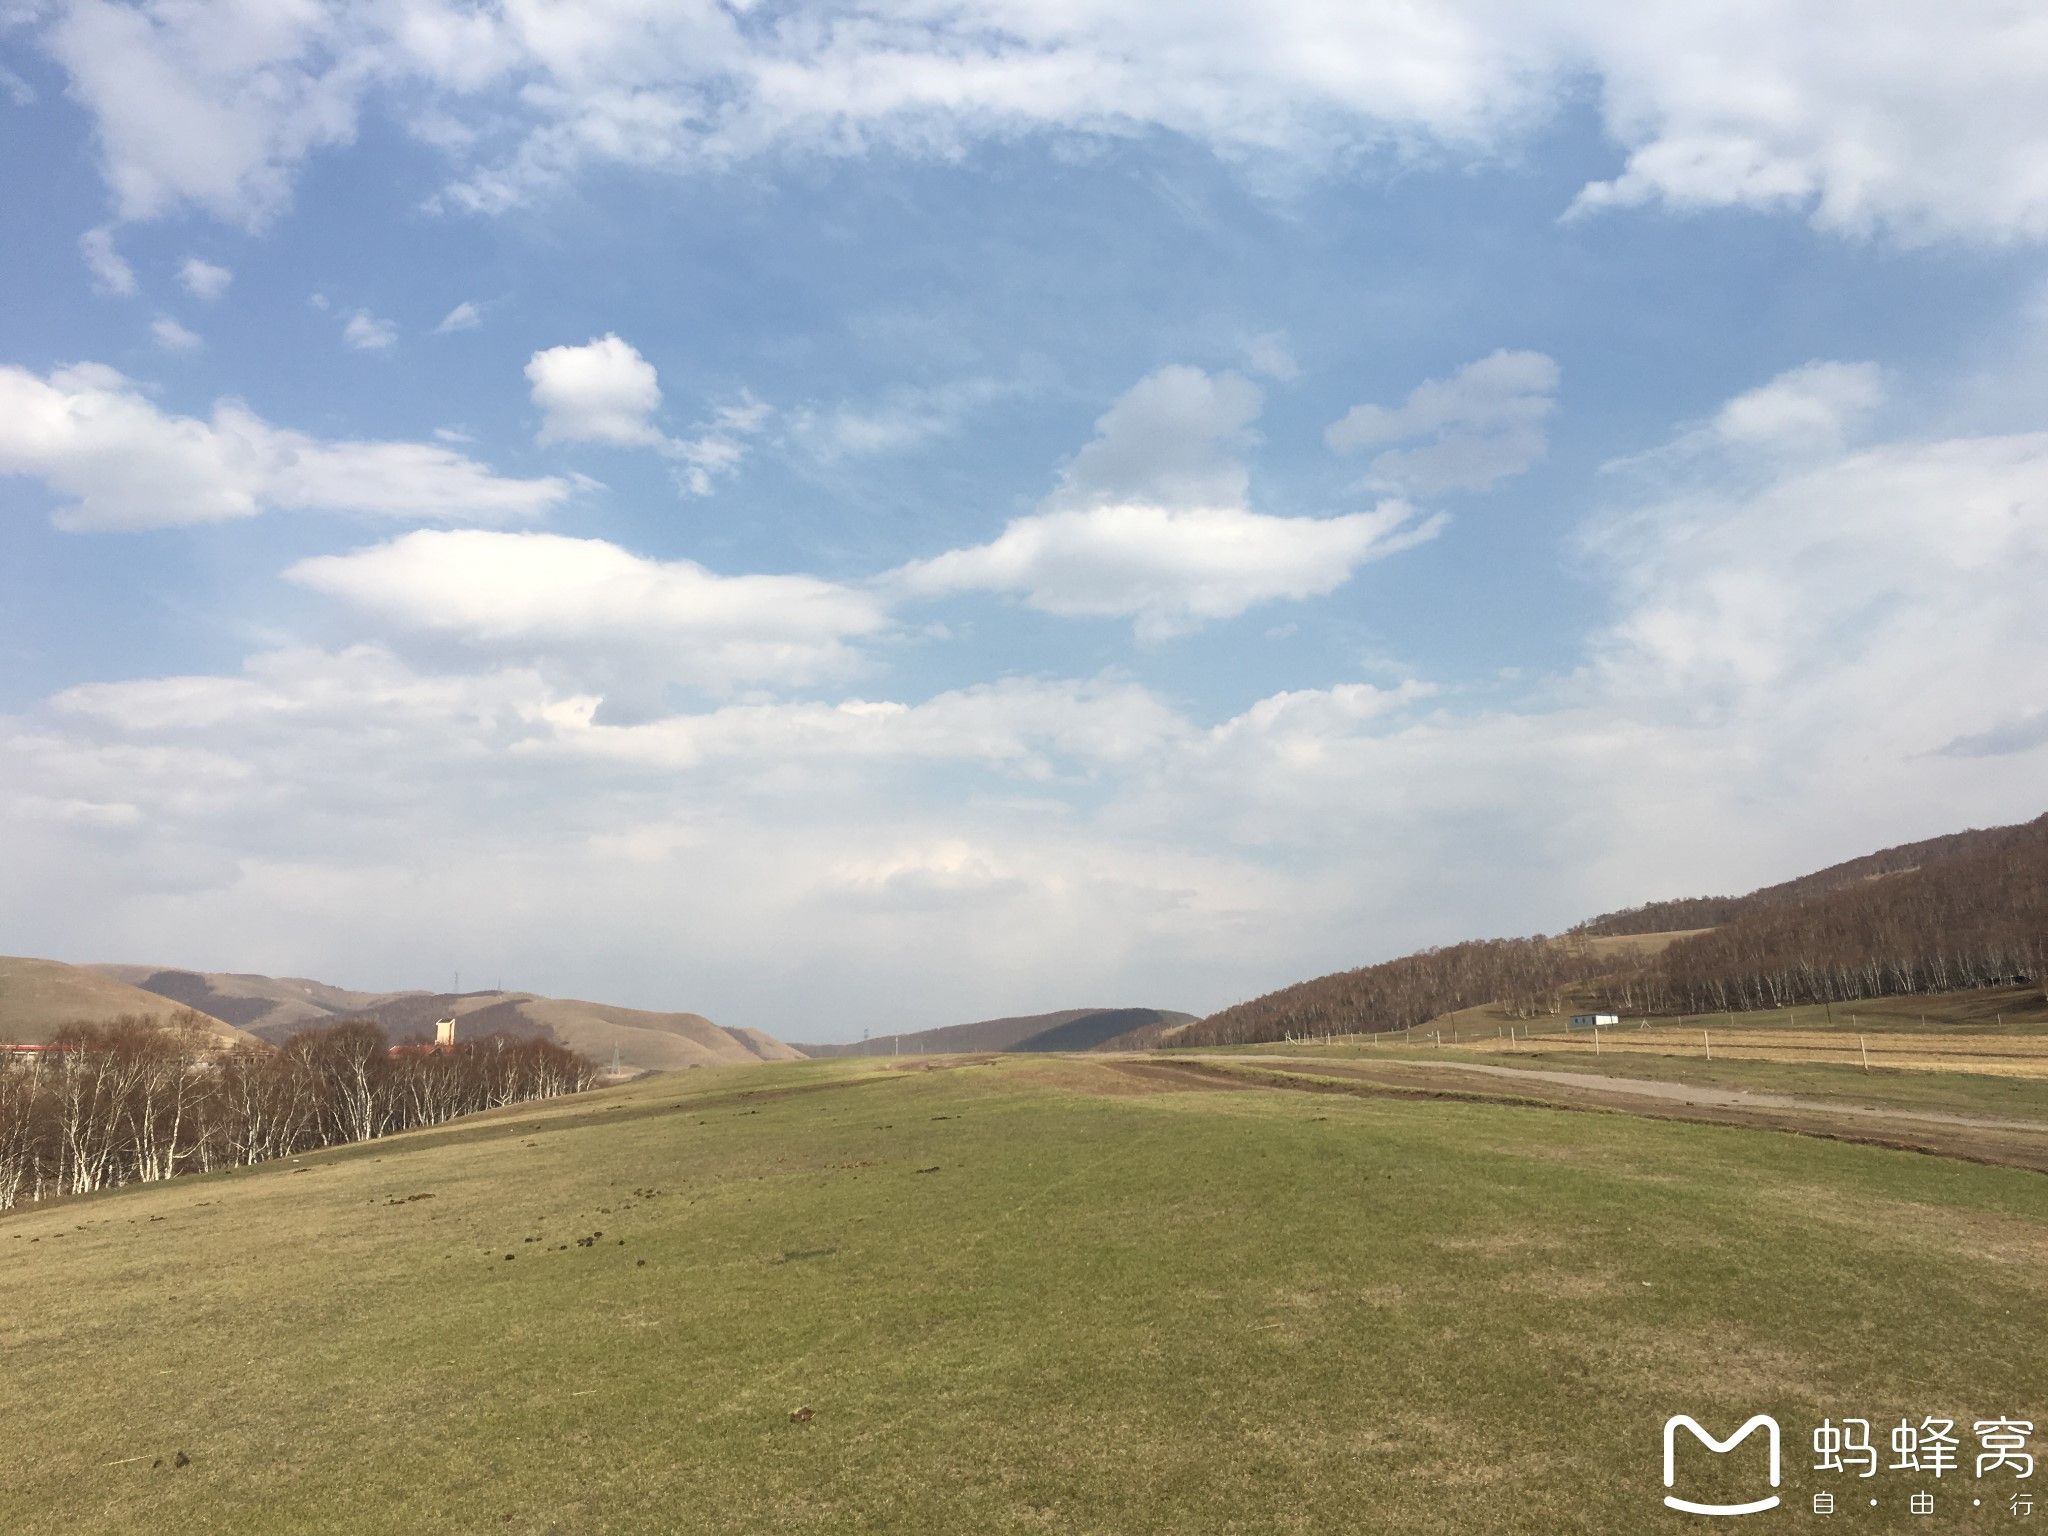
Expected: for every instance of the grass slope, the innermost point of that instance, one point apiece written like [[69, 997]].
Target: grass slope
[[40, 997], [1023, 1294]]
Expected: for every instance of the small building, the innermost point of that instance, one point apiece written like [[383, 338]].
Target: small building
[[1595, 1020], [444, 1042]]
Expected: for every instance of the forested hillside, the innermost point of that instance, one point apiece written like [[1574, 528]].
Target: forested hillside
[[1966, 910], [1976, 915], [1529, 975], [1712, 911]]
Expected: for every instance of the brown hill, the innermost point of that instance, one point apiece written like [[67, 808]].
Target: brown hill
[[271, 1007], [1069, 1029], [275, 1008], [40, 997], [1698, 912], [1963, 911]]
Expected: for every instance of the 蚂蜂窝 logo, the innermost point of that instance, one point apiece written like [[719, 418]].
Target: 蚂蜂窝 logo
[[1762, 1421]]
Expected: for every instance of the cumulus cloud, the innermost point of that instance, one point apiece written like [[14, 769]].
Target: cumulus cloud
[[604, 391], [1811, 411], [1467, 432], [1774, 686], [92, 436], [535, 592], [1817, 405], [1177, 438], [1169, 569], [1922, 121], [213, 106], [1149, 522], [110, 270], [203, 280], [715, 450], [172, 336], [366, 332], [466, 316]]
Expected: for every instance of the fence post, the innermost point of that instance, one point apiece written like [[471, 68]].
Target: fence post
[[1710, 1044], [1866, 1052]]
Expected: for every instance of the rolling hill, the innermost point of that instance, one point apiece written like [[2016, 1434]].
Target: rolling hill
[[1967, 910], [40, 997], [1069, 1029], [275, 1008], [1702, 912], [270, 1007]]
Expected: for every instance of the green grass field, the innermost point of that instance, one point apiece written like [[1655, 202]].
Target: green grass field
[[1026, 1295]]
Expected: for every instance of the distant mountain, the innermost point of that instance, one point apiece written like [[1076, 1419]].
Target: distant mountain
[[275, 1008], [1070, 1029], [40, 997]]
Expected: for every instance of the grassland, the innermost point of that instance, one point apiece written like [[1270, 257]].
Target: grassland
[[1020, 1294]]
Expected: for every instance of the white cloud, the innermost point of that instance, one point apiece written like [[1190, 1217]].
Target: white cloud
[[17, 90], [366, 332], [601, 392], [466, 316], [110, 271], [1149, 522], [1269, 356], [1923, 121], [715, 450], [91, 435], [1170, 569], [211, 105], [204, 280], [1775, 686], [1033, 729], [901, 420], [1478, 427], [546, 592], [173, 337], [604, 391], [1809, 412], [1816, 406], [1177, 438]]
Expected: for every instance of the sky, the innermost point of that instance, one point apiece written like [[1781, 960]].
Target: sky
[[863, 516]]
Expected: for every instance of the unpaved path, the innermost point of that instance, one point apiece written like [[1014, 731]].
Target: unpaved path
[[1682, 1093], [2005, 1143]]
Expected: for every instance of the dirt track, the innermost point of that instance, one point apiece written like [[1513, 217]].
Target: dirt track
[[2007, 1143]]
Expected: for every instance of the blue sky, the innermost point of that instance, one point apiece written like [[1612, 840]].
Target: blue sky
[[847, 517]]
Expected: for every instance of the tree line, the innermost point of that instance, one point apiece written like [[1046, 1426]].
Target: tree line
[[1975, 918], [1951, 913], [1526, 976], [139, 1100], [1713, 911]]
